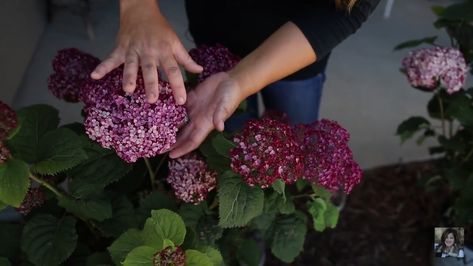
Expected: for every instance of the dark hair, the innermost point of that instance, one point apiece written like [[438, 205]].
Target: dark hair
[[456, 245], [345, 4]]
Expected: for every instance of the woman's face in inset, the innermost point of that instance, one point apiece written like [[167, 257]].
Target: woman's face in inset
[[450, 240]]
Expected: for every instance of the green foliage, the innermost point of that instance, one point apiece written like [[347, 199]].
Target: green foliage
[[411, 126], [49, 241], [215, 160], [89, 209], [324, 214], [124, 244], [162, 225], [197, 258], [14, 182], [415, 43], [12, 232], [249, 253], [239, 203], [288, 237], [140, 256], [222, 145], [123, 218]]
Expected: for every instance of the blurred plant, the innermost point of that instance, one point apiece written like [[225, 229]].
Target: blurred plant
[[443, 72]]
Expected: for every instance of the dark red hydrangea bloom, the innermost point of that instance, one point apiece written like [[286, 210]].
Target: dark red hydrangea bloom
[[4, 153], [8, 120], [191, 179], [276, 115], [34, 198], [72, 68], [266, 151], [327, 157], [130, 125], [170, 256], [213, 59]]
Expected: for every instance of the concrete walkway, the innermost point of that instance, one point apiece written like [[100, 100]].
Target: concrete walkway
[[365, 91]]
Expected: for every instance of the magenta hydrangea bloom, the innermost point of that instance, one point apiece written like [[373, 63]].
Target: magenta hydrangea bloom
[[130, 125], [8, 120], [191, 179], [170, 256], [4, 153], [213, 59], [34, 198], [328, 159], [427, 68], [266, 150], [72, 68]]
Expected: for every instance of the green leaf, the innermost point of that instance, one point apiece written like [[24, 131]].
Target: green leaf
[[279, 186], [208, 231], [14, 182], [415, 43], [4, 262], [215, 160], [321, 192], [96, 173], [331, 215], [140, 256], [438, 10], [410, 126], [317, 210], [89, 209], [197, 258], [49, 241], [2, 206], [164, 224], [156, 201], [123, 218], [459, 12], [301, 184], [239, 203], [461, 108], [12, 232], [58, 150], [35, 121], [214, 255], [124, 244], [286, 206], [249, 253], [289, 236], [191, 213], [222, 145]]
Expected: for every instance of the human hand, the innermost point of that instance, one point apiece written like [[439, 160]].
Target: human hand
[[146, 39], [209, 105]]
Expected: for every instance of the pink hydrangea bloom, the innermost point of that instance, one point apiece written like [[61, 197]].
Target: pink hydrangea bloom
[[328, 159], [130, 125], [427, 68], [72, 68], [213, 59], [8, 120], [266, 150], [34, 198], [170, 256], [4, 153], [191, 179]]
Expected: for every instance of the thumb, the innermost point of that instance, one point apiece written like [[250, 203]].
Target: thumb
[[220, 115]]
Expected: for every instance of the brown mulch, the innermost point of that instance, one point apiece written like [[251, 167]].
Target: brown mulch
[[387, 220]]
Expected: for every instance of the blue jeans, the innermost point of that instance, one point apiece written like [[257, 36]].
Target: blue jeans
[[299, 99]]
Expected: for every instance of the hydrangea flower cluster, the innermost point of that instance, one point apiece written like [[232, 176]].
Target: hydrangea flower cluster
[[269, 149], [213, 59], [170, 256], [266, 150], [35, 197], [428, 68], [4, 153], [191, 179], [327, 157], [8, 120], [72, 68]]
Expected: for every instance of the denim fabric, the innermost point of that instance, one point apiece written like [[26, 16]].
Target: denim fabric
[[299, 99]]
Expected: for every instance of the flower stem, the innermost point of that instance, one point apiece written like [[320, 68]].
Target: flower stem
[[303, 196], [214, 204], [160, 163], [442, 114], [152, 176], [468, 156], [47, 185]]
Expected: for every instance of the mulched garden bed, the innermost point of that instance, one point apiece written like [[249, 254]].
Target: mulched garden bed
[[387, 220]]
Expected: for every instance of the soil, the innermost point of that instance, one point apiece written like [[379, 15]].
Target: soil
[[388, 219]]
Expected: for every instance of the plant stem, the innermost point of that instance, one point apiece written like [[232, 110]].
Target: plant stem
[[303, 196], [442, 114], [47, 185], [468, 156], [152, 177], [450, 129], [214, 204], [160, 163]]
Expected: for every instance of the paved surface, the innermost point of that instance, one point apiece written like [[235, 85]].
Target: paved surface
[[365, 91]]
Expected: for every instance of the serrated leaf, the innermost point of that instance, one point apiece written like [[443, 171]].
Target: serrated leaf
[[410, 126], [191, 213], [96, 173], [35, 121], [317, 209], [98, 259], [459, 12], [124, 244], [461, 108], [286, 206], [207, 231], [4, 262], [49, 241], [86, 208], [156, 201], [123, 218], [197, 258], [222, 145], [415, 43], [14, 182], [249, 253], [279, 186], [238, 202], [289, 236], [140, 256], [164, 224], [58, 150], [321, 192], [12, 232], [214, 255], [331, 215]]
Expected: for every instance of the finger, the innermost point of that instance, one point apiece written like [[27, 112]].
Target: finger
[[113, 61], [192, 140], [220, 115], [130, 72], [176, 81], [183, 58], [150, 77]]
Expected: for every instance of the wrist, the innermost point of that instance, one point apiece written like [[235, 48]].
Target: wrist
[[128, 5]]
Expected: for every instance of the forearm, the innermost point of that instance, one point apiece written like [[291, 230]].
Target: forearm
[[283, 53]]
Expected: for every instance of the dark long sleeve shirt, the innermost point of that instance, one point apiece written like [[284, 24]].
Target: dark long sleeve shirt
[[242, 25]]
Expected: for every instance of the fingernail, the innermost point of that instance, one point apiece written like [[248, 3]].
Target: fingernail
[[151, 97], [180, 100]]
